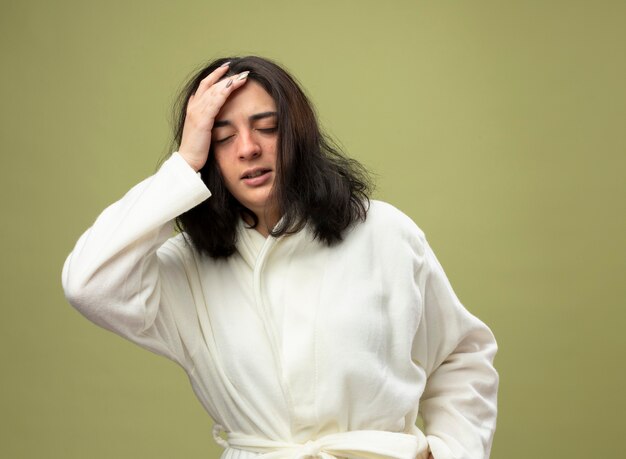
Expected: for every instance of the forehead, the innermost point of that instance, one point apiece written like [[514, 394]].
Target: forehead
[[249, 99]]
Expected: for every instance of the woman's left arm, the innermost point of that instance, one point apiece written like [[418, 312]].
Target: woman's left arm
[[458, 405]]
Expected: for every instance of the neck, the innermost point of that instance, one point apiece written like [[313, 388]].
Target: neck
[[266, 222]]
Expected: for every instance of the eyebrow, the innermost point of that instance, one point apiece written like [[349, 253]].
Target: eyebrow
[[255, 117]]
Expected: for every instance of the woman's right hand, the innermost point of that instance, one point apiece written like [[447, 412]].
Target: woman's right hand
[[202, 108]]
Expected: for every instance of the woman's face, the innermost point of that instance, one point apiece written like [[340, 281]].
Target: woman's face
[[244, 140]]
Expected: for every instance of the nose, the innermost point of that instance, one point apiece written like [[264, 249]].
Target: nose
[[249, 147]]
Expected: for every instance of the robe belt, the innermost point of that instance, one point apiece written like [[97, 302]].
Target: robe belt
[[369, 444]]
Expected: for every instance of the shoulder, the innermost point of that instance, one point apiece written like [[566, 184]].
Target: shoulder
[[385, 217], [389, 230], [176, 250], [178, 241]]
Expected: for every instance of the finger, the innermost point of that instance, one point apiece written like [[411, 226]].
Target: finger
[[213, 98], [212, 78], [235, 82], [206, 106]]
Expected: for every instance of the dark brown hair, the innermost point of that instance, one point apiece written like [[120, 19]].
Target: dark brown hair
[[315, 183]]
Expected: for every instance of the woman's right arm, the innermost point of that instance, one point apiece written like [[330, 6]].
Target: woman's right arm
[[114, 274]]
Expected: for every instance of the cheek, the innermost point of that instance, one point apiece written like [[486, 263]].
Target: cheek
[[271, 148], [222, 163]]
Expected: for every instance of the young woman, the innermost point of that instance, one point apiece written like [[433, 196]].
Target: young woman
[[312, 322]]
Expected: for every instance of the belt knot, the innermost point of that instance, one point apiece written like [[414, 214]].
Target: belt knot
[[310, 450], [374, 444]]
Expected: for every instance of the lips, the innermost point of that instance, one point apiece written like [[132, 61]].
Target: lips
[[259, 176], [253, 173]]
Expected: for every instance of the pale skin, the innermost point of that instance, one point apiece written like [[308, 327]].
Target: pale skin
[[242, 125], [202, 108], [240, 118]]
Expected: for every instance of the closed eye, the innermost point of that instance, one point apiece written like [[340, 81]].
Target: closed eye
[[268, 130], [223, 140]]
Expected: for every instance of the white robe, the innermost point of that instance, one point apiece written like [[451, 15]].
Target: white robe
[[296, 349]]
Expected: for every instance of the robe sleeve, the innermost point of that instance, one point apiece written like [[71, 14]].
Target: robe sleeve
[[458, 405], [116, 275]]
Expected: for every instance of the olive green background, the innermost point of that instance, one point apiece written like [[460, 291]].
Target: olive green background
[[499, 127]]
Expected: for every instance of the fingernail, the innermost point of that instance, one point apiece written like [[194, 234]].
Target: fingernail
[[229, 83], [225, 64], [243, 75]]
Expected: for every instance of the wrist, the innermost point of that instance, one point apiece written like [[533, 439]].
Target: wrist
[[195, 164]]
